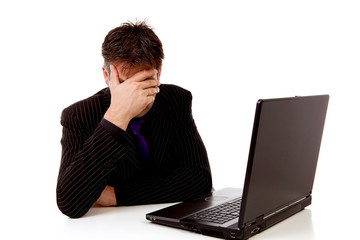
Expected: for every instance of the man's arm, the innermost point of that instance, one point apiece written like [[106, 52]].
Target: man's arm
[[86, 162], [88, 157], [107, 197]]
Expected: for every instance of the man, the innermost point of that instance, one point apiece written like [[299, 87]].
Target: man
[[134, 142]]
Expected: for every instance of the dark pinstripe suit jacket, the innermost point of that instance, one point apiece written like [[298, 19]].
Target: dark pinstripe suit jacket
[[93, 158]]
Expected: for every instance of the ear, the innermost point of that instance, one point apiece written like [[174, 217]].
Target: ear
[[106, 76]]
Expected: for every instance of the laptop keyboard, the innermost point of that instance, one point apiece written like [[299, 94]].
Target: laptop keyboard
[[221, 213]]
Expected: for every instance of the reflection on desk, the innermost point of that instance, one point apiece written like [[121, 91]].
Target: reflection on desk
[[130, 223]]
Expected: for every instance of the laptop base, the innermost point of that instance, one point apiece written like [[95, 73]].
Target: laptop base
[[228, 230], [178, 216]]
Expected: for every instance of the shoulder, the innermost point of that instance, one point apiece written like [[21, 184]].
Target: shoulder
[[176, 99], [174, 90], [87, 109], [175, 95]]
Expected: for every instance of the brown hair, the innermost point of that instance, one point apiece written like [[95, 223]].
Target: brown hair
[[134, 45]]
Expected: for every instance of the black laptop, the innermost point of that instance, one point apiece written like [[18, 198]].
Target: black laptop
[[279, 178]]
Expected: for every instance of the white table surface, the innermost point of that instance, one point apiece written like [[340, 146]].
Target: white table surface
[[45, 221], [115, 223]]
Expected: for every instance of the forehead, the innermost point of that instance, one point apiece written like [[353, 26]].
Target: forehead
[[126, 72]]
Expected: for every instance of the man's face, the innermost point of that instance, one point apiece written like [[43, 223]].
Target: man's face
[[127, 74]]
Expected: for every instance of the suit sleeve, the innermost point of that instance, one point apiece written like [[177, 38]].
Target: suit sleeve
[[87, 159], [190, 179]]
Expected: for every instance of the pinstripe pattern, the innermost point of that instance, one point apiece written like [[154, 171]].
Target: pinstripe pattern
[[92, 158]]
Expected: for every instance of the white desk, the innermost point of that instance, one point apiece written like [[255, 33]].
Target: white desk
[[315, 222], [324, 219], [39, 221], [130, 223]]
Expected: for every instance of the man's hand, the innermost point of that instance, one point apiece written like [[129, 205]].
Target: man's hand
[[131, 97], [107, 197]]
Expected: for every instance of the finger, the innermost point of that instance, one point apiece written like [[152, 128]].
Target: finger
[[152, 91], [150, 84], [143, 75], [150, 99], [114, 76]]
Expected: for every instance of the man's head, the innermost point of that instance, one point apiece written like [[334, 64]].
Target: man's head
[[132, 46]]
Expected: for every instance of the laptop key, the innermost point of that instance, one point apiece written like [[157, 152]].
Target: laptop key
[[220, 214]]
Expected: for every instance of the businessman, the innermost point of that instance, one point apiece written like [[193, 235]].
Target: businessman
[[134, 142]]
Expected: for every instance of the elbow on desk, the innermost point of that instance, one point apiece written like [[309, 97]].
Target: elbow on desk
[[69, 207]]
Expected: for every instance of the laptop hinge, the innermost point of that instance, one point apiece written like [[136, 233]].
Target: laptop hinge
[[287, 206]]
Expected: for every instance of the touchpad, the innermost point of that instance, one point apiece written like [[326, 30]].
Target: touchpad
[[216, 198]]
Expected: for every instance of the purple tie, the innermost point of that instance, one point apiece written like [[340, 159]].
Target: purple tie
[[135, 125]]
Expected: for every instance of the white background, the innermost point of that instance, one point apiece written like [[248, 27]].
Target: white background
[[227, 53]]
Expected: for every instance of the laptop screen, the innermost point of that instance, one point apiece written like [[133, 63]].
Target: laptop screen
[[283, 154]]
